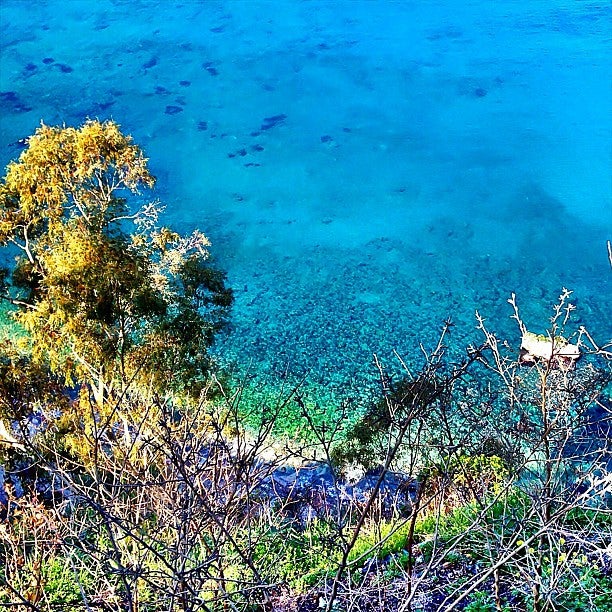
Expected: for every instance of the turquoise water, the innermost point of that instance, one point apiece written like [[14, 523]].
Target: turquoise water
[[364, 170]]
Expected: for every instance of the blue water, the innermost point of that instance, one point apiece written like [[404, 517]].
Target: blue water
[[364, 170]]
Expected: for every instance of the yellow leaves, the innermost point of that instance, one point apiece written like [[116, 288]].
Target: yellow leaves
[[102, 148], [67, 172], [38, 178], [97, 146], [164, 238], [138, 241], [73, 253], [160, 284]]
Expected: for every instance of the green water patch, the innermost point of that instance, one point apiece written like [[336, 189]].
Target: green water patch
[[9, 328], [294, 408]]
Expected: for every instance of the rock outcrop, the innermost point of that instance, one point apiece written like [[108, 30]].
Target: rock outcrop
[[557, 351]]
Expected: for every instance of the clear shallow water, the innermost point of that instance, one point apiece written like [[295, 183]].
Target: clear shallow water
[[425, 159]]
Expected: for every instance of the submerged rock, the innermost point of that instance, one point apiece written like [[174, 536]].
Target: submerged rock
[[273, 121], [10, 102], [150, 63], [65, 68], [173, 110], [208, 66], [20, 144]]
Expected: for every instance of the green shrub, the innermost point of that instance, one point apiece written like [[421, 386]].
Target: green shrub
[[296, 557], [481, 602], [61, 584], [587, 590]]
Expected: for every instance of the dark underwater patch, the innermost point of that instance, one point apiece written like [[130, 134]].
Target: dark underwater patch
[[449, 33], [210, 68], [65, 68], [102, 106], [202, 126], [20, 144], [149, 64], [10, 102], [173, 110], [239, 152], [273, 121], [48, 60]]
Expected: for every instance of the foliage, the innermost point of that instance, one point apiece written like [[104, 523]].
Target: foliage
[[402, 401], [61, 585], [298, 557], [108, 297], [26, 386], [587, 589], [466, 478], [482, 602]]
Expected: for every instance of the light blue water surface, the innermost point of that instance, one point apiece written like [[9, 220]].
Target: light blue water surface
[[424, 160]]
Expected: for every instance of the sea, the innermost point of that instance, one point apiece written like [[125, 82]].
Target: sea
[[365, 170]]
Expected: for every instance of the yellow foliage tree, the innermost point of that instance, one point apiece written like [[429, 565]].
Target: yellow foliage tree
[[109, 299]]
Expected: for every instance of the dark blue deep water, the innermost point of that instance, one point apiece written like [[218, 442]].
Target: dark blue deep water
[[364, 170]]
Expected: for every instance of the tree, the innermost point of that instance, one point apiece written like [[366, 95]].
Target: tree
[[109, 299]]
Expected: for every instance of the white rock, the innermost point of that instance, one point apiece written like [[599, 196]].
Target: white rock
[[536, 347]]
